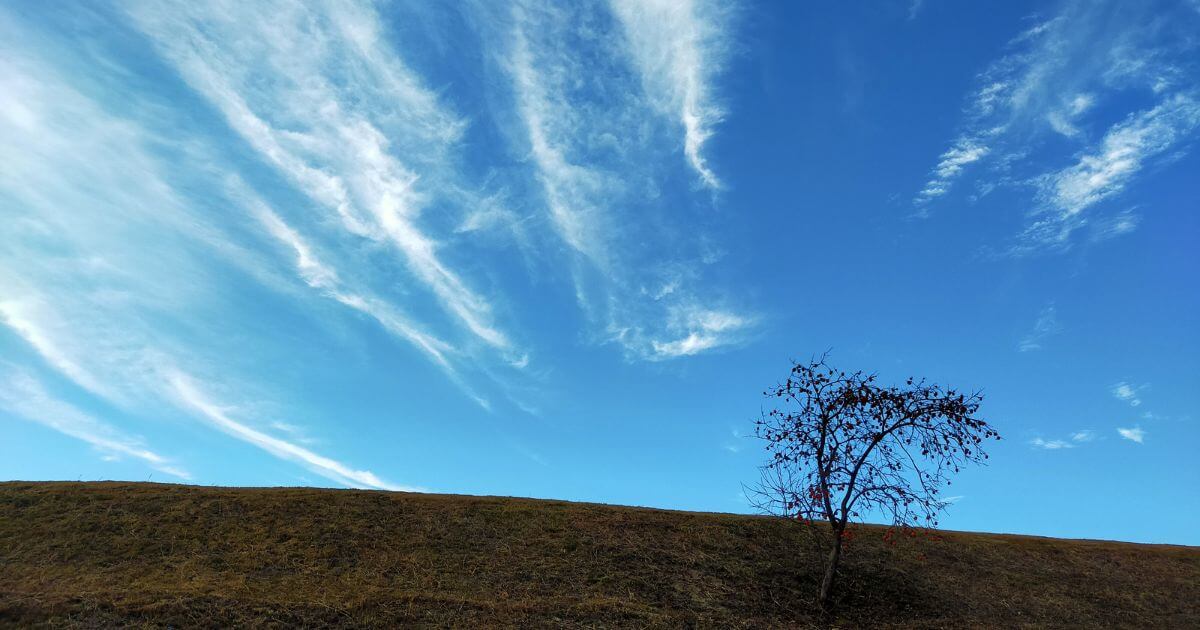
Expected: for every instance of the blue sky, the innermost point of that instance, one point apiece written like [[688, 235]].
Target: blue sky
[[559, 249]]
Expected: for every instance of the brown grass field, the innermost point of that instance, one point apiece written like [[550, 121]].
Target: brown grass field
[[153, 555]]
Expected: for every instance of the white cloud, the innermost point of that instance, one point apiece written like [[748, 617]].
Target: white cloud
[[95, 163], [1051, 445], [28, 319], [678, 47], [737, 445], [966, 151], [1063, 119], [1046, 326], [1103, 172], [338, 109], [1135, 434], [542, 72], [1106, 169], [1079, 437], [1048, 81], [702, 329], [190, 396], [24, 396], [1128, 393], [589, 133], [1115, 225], [149, 372], [319, 276], [80, 186], [914, 7]]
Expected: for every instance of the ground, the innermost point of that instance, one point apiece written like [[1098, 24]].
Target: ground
[[156, 555]]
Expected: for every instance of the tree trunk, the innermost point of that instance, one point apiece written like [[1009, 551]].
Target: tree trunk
[[830, 571]]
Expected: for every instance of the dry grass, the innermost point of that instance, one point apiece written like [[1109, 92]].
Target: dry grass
[[104, 554]]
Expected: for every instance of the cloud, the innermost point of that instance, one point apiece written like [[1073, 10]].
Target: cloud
[[737, 445], [80, 186], [190, 396], [1105, 170], [541, 70], [25, 397], [1128, 393], [1086, 435], [951, 163], [1065, 76], [702, 329], [914, 7], [590, 131], [338, 109], [1135, 434], [150, 373], [1063, 119], [272, 156], [1046, 326], [1051, 445], [1079, 437], [26, 319], [678, 47], [325, 279]]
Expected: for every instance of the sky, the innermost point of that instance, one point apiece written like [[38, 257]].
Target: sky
[[558, 250]]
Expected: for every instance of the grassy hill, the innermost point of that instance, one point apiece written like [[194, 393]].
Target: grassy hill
[[103, 554]]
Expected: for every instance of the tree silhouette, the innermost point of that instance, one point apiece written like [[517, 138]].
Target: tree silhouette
[[842, 446]]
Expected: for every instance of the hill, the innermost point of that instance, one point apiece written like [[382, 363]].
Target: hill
[[103, 554]]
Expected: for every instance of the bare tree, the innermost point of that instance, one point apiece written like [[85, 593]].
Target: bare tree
[[843, 448]]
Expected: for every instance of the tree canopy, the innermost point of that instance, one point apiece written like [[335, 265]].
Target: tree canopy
[[843, 448]]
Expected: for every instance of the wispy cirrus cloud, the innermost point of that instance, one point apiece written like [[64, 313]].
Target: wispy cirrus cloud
[[701, 329], [678, 47], [572, 175], [150, 373], [320, 276], [80, 184], [1135, 434], [1045, 327], [281, 172], [1051, 445], [1104, 171], [28, 320], [325, 279], [1075, 439], [737, 444], [1122, 153], [1065, 75], [950, 164], [1086, 435], [1064, 119], [952, 499], [24, 396], [578, 92], [189, 394], [914, 8], [1128, 392], [338, 110]]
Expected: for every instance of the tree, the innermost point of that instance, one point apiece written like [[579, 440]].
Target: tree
[[841, 447]]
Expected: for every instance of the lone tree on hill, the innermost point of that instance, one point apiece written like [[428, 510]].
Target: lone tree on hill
[[842, 446]]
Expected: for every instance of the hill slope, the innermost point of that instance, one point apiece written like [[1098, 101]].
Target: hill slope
[[100, 554]]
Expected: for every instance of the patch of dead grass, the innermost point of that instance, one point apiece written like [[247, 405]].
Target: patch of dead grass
[[155, 555]]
